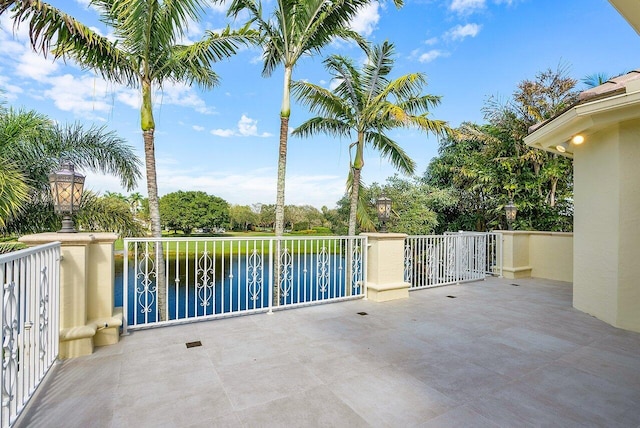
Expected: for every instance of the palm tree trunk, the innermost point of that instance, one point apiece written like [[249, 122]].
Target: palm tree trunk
[[353, 208], [285, 112], [358, 163], [148, 129]]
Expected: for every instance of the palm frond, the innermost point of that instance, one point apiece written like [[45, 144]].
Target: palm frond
[[96, 149], [72, 39], [14, 191], [391, 151], [322, 125]]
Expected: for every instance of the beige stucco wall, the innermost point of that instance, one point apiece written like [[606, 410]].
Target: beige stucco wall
[[607, 225], [551, 255], [547, 255]]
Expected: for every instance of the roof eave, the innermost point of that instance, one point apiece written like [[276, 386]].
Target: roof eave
[[585, 119]]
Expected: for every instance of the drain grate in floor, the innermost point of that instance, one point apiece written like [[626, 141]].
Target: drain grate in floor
[[516, 285], [451, 297], [362, 313], [193, 344]]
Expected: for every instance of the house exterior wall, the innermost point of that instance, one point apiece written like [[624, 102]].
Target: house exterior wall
[[607, 225]]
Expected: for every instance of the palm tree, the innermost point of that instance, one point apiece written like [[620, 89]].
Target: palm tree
[[14, 191], [368, 104], [135, 202], [146, 52], [595, 79], [297, 28], [32, 146]]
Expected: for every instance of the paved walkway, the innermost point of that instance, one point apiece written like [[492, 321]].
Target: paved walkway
[[495, 355]]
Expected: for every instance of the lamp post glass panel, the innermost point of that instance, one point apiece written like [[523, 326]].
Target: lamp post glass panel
[[66, 189], [510, 210], [383, 206]]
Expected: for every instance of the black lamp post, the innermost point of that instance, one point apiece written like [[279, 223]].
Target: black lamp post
[[66, 189], [511, 211], [383, 206]]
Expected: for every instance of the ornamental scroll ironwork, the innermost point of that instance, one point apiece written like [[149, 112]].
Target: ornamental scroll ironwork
[[408, 263], [322, 269], [254, 275], [356, 266], [146, 288], [9, 344], [286, 273], [43, 312], [205, 279]]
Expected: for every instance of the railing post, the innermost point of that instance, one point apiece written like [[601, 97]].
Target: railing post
[[125, 288], [271, 273], [87, 315], [385, 267]]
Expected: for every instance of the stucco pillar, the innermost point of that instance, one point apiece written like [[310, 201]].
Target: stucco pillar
[[385, 267], [87, 316], [607, 225], [515, 254]]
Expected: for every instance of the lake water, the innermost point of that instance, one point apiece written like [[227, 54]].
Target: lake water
[[228, 286]]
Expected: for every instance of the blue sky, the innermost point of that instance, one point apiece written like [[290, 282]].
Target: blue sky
[[224, 141]]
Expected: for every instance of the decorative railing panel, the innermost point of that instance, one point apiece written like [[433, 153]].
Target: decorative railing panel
[[435, 260], [30, 326], [216, 277]]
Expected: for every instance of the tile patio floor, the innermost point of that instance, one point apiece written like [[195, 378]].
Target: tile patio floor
[[496, 355]]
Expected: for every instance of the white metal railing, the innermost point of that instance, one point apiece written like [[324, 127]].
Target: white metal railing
[[30, 323], [435, 260], [204, 278], [493, 250]]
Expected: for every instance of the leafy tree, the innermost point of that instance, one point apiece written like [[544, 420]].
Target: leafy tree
[[297, 28], [415, 205], [241, 217], [487, 165], [186, 211], [267, 216], [368, 104]]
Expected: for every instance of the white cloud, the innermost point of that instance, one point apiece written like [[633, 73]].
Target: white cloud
[[10, 91], [432, 41], [198, 128], [223, 132], [219, 6], [34, 66], [366, 19], [460, 32], [180, 94], [258, 185], [84, 95], [247, 127], [431, 55], [466, 6], [129, 97]]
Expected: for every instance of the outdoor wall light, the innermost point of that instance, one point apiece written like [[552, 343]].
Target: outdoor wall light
[[66, 189], [577, 140], [511, 211], [383, 207], [562, 148]]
